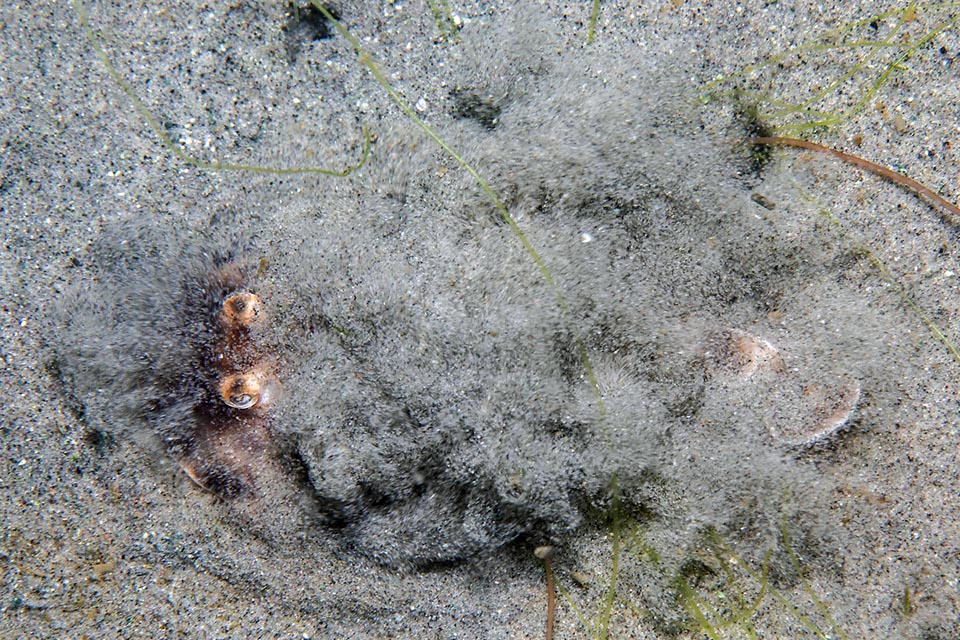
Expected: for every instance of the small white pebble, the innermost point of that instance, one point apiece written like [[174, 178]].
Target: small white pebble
[[421, 105], [586, 237], [544, 552]]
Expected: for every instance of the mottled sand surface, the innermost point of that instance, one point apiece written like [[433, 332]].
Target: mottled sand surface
[[103, 534]]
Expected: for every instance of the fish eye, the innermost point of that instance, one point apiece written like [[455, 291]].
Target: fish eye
[[240, 391], [242, 308], [242, 401]]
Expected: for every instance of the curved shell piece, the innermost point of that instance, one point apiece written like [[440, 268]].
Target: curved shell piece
[[828, 409], [742, 354], [751, 353], [802, 412]]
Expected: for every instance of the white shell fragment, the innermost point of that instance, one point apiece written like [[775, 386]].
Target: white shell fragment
[[803, 413], [828, 410], [744, 355]]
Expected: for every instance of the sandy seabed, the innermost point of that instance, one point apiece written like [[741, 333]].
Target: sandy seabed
[[102, 537]]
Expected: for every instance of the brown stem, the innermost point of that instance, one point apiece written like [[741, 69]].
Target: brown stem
[[925, 193], [551, 598]]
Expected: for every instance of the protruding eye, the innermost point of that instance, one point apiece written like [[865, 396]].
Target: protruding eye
[[242, 308], [242, 401], [240, 391]]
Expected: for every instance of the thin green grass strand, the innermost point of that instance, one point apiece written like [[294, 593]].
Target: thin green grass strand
[[594, 18], [831, 41], [367, 61], [167, 142], [888, 277], [443, 16], [725, 553], [818, 603], [603, 620]]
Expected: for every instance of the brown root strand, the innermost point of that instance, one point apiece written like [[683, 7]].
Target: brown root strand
[[551, 599], [924, 192]]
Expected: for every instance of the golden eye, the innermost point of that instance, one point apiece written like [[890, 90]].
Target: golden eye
[[242, 401], [242, 390], [242, 309]]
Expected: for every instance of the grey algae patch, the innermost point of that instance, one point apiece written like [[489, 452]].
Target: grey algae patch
[[435, 404]]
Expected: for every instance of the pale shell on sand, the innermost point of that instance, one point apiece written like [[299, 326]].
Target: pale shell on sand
[[807, 413]]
